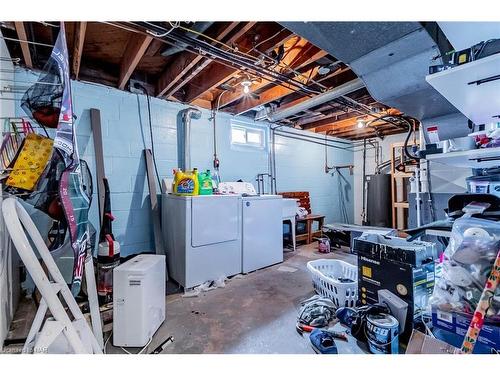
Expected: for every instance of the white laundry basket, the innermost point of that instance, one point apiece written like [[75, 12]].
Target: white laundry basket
[[325, 274]]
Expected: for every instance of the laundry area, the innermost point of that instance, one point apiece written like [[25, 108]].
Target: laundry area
[[323, 188]]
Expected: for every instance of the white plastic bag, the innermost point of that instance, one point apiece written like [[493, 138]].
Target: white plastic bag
[[466, 265]]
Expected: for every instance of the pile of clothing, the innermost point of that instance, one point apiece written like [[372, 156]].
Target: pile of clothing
[[318, 312]]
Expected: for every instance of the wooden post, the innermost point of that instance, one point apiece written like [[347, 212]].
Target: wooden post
[[95, 123], [155, 213]]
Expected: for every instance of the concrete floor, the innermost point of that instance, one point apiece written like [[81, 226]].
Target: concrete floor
[[253, 314]]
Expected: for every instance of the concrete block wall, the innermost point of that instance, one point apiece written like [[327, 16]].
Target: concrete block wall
[[300, 166], [125, 130]]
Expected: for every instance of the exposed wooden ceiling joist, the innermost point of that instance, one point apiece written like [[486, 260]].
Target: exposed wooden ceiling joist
[[385, 132], [274, 93], [22, 35], [79, 40], [216, 73], [269, 95], [168, 82], [136, 47], [98, 56], [294, 47], [331, 125], [310, 58]]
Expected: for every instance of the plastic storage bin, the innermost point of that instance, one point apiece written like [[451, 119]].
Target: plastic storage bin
[[325, 278]]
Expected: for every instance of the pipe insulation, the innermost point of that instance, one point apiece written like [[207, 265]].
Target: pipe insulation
[[317, 100]]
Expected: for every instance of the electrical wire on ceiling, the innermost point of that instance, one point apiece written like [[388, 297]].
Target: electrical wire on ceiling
[[173, 26], [199, 46], [27, 41], [247, 53], [283, 80], [268, 39], [44, 23]]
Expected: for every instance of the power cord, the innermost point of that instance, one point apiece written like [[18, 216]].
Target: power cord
[[125, 350], [139, 86], [106, 342]]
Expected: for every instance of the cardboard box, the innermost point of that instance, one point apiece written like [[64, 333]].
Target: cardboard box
[[458, 323], [420, 343], [406, 271]]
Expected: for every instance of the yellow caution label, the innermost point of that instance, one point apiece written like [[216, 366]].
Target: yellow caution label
[[462, 58], [366, 271]]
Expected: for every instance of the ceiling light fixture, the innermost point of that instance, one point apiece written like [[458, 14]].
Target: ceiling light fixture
[[361, 123], [246, 86]]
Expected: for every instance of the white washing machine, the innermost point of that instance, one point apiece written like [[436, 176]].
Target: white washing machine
[[261, 226], [202, 237]]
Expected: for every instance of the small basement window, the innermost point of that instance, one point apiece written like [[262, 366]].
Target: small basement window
[[248, 136]]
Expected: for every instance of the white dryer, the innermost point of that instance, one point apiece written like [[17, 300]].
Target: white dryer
[[262, 231], [261, 225]]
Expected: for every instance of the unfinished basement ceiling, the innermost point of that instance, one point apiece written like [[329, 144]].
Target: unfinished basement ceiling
[[208, 64]]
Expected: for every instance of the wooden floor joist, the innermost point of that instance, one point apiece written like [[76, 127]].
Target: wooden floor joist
[[136, 47], [216, 74], [289, 60], [111, 53], [79, 39], [170, 80], [23, 37]]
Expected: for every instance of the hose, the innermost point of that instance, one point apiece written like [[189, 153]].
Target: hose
[[408, 135]]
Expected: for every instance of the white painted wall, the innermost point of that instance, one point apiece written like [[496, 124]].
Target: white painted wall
[[9, 277]]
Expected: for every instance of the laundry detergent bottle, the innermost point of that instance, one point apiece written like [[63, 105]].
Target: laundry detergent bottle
[[205, 183], [186, 183]]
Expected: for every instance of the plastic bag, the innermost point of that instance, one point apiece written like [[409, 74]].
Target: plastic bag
[[205, 287], [466, 265]]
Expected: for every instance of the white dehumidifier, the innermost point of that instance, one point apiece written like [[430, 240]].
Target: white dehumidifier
[[138, 299]]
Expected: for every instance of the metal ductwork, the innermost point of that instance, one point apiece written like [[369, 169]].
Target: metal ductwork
[[315, 101], [392, 59], [185, 154]]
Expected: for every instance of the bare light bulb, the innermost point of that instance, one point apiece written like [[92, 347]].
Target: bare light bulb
[[361, 123], [246, 89]]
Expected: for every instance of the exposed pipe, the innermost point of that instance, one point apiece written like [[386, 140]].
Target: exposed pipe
[[325, 97], [187, 115], [199, 27], [363, 211]]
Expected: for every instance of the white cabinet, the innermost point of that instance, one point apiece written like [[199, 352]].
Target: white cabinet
[[473, 88], [479, 158]]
